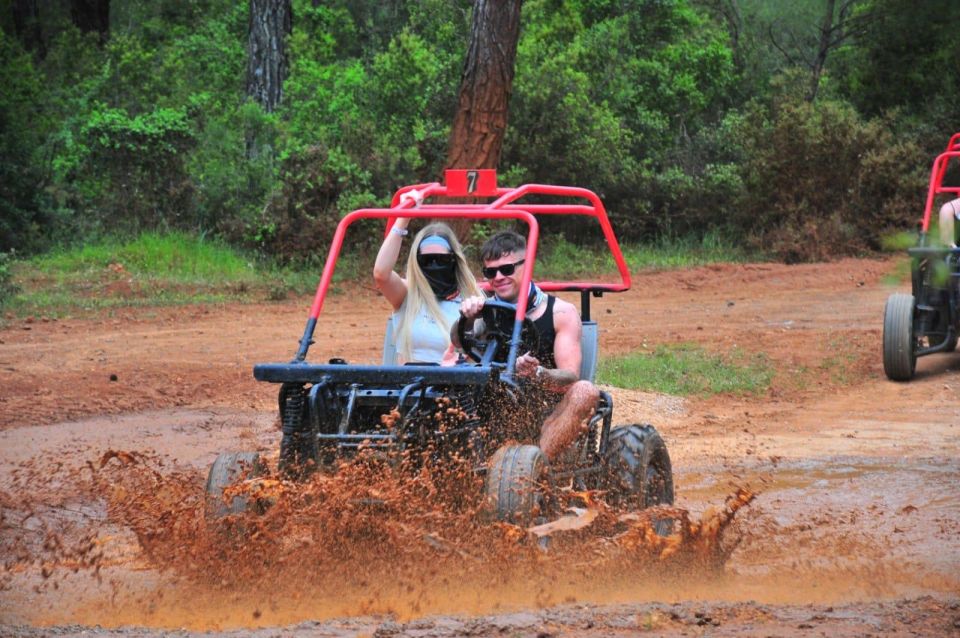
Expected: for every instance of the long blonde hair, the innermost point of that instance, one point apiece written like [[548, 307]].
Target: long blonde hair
[[419, 292]]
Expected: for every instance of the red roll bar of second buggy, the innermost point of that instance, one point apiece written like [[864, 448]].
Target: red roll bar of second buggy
[[936, 186]]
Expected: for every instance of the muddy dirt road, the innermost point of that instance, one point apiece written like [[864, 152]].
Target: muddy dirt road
[[855, 531]]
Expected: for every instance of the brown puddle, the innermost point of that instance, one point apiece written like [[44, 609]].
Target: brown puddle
[[120, 538]]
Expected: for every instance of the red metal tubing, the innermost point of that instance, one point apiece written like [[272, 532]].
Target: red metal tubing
[[936, 182], [954, 143], [505, 197], [533, 237]]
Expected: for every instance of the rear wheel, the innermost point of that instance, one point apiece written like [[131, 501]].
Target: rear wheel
[[899, 342], [516, 484], [638, 471], [227, 470]]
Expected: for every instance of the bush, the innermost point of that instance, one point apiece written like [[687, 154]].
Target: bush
[[603, 92], [7, 287], [299, 221], [820, 181], [23, 214], [233, 165], [135, 169]]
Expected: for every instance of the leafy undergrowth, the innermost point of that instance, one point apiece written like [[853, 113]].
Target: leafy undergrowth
[[152, 270], [176, 269]]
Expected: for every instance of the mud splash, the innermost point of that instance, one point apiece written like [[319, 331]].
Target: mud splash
[[372, 537]]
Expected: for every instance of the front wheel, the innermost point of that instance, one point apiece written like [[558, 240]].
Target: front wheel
[[638, 471], [899, 341], [516, 483], [229, 469]]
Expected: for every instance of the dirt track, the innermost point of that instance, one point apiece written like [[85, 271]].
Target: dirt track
[[856, 529]]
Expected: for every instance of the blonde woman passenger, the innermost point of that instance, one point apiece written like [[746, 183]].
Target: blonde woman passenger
[[426, 302]]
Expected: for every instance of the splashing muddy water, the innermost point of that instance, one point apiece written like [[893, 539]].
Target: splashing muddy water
[[117, 536], [368, 538]]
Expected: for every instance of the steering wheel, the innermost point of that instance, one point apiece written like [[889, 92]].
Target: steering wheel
[[498, 318]]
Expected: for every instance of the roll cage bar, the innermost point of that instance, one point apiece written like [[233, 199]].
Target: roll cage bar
[[936, 187], [409, 201]]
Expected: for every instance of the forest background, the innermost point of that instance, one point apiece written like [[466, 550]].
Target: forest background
[[800, 128]]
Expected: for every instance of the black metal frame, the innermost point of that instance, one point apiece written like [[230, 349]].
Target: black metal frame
[[334, 409], [935, 278]]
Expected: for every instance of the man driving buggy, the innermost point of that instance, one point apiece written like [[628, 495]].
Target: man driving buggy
[[552, 371]]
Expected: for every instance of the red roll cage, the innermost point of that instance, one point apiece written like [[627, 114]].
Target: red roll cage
[[411, 201], [939, 169]]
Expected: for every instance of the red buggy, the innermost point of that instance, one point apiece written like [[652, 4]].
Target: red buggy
[[927, 320], [330, 410]]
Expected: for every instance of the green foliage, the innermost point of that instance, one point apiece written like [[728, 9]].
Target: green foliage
[[7, 286], [687, 125], [688, 369], [135, 169], [359, 120], [22, 215], [232, 166], [603, 91], [907, 58], [819, 180]]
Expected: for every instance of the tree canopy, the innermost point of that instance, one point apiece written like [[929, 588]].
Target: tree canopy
[[687, 116]]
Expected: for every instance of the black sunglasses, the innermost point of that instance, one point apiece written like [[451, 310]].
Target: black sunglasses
[[432, 260], [507, 269]]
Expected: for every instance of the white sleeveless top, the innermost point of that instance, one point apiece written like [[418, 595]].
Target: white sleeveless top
[[428, 339]]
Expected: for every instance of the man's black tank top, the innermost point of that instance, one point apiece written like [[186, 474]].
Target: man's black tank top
[[548, 335]]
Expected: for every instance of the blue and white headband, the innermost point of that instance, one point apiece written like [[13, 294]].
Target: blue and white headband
[[435, 240]]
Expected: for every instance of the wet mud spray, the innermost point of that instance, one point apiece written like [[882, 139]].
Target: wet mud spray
[[369, 537]]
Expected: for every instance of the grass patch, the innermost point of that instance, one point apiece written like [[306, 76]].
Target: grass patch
[[153, 269], [841, 363], [177, 268], [170, 256], [688, 369]]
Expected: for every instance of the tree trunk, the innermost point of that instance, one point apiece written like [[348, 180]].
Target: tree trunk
[[26, 22], [480, 122], [271, 21], [92, 16], [826, 42]]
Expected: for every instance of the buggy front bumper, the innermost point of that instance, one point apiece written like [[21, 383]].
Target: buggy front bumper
[[466, 375]]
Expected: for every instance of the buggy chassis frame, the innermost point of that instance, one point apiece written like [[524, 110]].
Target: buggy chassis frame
[[922, 286], [932, 311], [408, 386]]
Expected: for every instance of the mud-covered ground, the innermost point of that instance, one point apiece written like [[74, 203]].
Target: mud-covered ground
[[109, 423]]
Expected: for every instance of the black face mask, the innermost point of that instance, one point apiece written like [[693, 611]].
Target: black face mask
[[441, 273]]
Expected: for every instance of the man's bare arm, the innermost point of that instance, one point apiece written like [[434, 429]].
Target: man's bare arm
[[566, 347]]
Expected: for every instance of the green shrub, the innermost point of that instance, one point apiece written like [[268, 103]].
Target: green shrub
[[24, 216], [820, 181], [604, 92], [135, 170], [7, 286]]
